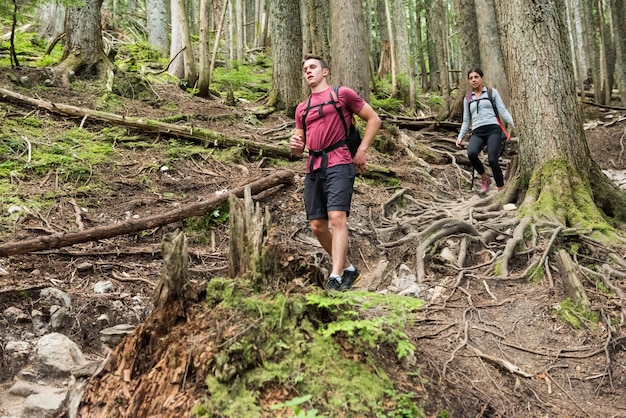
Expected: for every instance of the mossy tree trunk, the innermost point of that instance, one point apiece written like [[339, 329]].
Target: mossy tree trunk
[[555, 163], [84, 49]]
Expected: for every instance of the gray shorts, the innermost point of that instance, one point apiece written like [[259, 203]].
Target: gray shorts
[[333, 193]]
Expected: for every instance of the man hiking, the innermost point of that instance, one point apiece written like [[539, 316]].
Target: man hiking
[[331, 169]]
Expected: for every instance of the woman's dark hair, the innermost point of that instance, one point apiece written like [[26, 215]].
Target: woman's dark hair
[[475, 70]]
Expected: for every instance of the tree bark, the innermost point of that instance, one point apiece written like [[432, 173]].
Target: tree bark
[[135, 225], [619, 34], [572, 285], [157, 22], [204, 73], [286, 33], [204, 136], [350, 66], [490, 48], [177, 64], [84, 48], [468, 36], [554, 157], [152, 362]]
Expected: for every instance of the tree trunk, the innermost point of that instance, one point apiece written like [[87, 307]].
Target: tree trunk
[[431, 45], [286, 33], [204, 65], [468, 36], [575, 28], [554, 157], [50, 20], [392, 51], [157, 22], [315, 22], [152, 362], [191, 75], [441, 41], [401, 48], [350, 66], [420, 48], [490, 50], [177, 64], [84, 49], [618, 10]]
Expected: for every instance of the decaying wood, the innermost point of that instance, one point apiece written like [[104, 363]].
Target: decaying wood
[[571, 283], [204, 136], [151, 363], [135, 225], [174, 273], [248, 227]]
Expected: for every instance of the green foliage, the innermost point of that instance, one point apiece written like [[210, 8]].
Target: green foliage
[[575, 315], [294, 404], [371, 317], [196, 227], [183, 150], [248, 82], [28, 45], [134, 57], [403, 406], [388, 104], [535, 274], [275, 342]]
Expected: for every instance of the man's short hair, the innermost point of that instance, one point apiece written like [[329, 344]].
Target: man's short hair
[[322, 61]]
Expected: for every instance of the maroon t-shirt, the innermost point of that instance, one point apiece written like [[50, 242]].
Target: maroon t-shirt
[[323, 126]]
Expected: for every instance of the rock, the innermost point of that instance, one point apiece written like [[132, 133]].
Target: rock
[[84, 266], [46, 404], [448, 255], [15, 315], [17, 347], [404, 282], [56, 297], [57, 354], [58, 314], [104, 286]]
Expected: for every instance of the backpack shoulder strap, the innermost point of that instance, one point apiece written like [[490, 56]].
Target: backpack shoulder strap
[[493, 104], [304, 115], [335, 100]]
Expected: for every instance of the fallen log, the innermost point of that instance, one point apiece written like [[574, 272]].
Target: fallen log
[[135, 225], [204, 136]]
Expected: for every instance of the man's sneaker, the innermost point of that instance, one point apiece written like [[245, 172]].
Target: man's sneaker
[[349, 278], [484, 184], [333, 284]]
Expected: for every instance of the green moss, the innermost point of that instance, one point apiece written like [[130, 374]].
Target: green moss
[[355, 319], [182, 150], [281, 341], [575, 315], [535, 274], [559, 193], [497, 268]]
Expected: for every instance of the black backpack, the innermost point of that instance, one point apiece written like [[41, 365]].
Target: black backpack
[[353, 137]]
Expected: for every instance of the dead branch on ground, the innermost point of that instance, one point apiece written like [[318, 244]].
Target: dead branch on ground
[[135, 225]]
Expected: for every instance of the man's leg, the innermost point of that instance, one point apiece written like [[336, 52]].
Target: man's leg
[[337, 239], [339, 251]]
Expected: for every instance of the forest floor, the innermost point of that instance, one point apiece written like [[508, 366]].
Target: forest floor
[[463, 338]]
